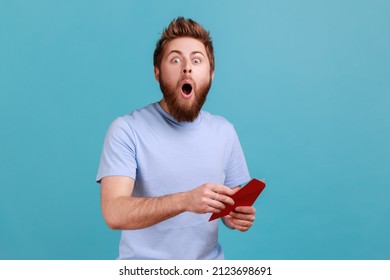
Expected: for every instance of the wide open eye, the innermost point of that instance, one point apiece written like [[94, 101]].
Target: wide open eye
[[196, 60], [176, 60]]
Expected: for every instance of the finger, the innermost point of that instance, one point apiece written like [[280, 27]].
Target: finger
[[235, 189], [223, 193], [210, 209], [241, 224], [223, 198], [238, 224], [246, 210], [216, 204], [242, 229], [223, 189], [242, 217]]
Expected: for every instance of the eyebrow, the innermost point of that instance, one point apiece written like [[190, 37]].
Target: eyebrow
[[181, 53]]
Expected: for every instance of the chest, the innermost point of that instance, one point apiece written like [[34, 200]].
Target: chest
[[180, 161]]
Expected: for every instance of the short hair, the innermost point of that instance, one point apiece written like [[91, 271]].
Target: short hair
[[181, 27]]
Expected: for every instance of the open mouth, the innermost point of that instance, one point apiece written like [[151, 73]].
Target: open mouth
[[186, 89]]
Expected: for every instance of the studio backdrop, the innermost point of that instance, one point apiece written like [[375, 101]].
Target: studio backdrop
[[305, 84]]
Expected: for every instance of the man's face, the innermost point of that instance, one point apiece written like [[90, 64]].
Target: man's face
[[184, 77]]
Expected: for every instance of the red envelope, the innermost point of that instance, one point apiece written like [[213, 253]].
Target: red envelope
[[246, 196]]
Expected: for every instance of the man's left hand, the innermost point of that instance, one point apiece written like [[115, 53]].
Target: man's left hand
[[241, 218]]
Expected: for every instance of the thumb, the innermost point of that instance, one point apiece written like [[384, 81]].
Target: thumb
[[235, 189]]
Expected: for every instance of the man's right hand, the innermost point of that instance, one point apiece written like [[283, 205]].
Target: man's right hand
[[123, 211], [209, 198]]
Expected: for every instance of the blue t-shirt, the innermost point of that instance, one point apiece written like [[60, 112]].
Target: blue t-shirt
[[164, 157]]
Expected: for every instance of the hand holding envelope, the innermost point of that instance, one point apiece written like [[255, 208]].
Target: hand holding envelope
[[245, 196]]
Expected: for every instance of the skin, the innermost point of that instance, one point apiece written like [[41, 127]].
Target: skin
[[184, 60]]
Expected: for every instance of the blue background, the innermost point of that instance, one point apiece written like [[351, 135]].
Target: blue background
[[306, 84]]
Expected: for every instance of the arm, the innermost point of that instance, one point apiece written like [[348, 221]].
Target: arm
[[241, 218], [122, 211]]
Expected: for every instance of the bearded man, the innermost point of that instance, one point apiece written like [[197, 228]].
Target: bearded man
[[166, 167]]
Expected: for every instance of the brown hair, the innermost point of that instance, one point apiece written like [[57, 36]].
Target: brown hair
[[181, 27]]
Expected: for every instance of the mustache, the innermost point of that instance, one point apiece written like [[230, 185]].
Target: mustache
[[186, 79]]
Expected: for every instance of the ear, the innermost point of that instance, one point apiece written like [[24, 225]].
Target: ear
[[212, 75], [157, 74]]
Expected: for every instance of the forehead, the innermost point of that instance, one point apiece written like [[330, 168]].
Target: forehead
[[185, 45]]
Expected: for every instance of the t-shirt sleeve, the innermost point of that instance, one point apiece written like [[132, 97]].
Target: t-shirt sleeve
[[118, 155], [236, 171]]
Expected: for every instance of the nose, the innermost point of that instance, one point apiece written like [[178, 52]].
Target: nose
[[187, 69]]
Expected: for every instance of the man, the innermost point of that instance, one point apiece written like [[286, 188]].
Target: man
[[166, 167]]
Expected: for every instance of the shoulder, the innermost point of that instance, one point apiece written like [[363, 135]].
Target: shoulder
[[135, 118], [217, 122], [125, 127]]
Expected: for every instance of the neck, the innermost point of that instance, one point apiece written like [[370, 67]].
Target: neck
[[164, 105]]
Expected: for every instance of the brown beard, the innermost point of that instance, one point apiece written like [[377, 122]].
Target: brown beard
[[182, 110]]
